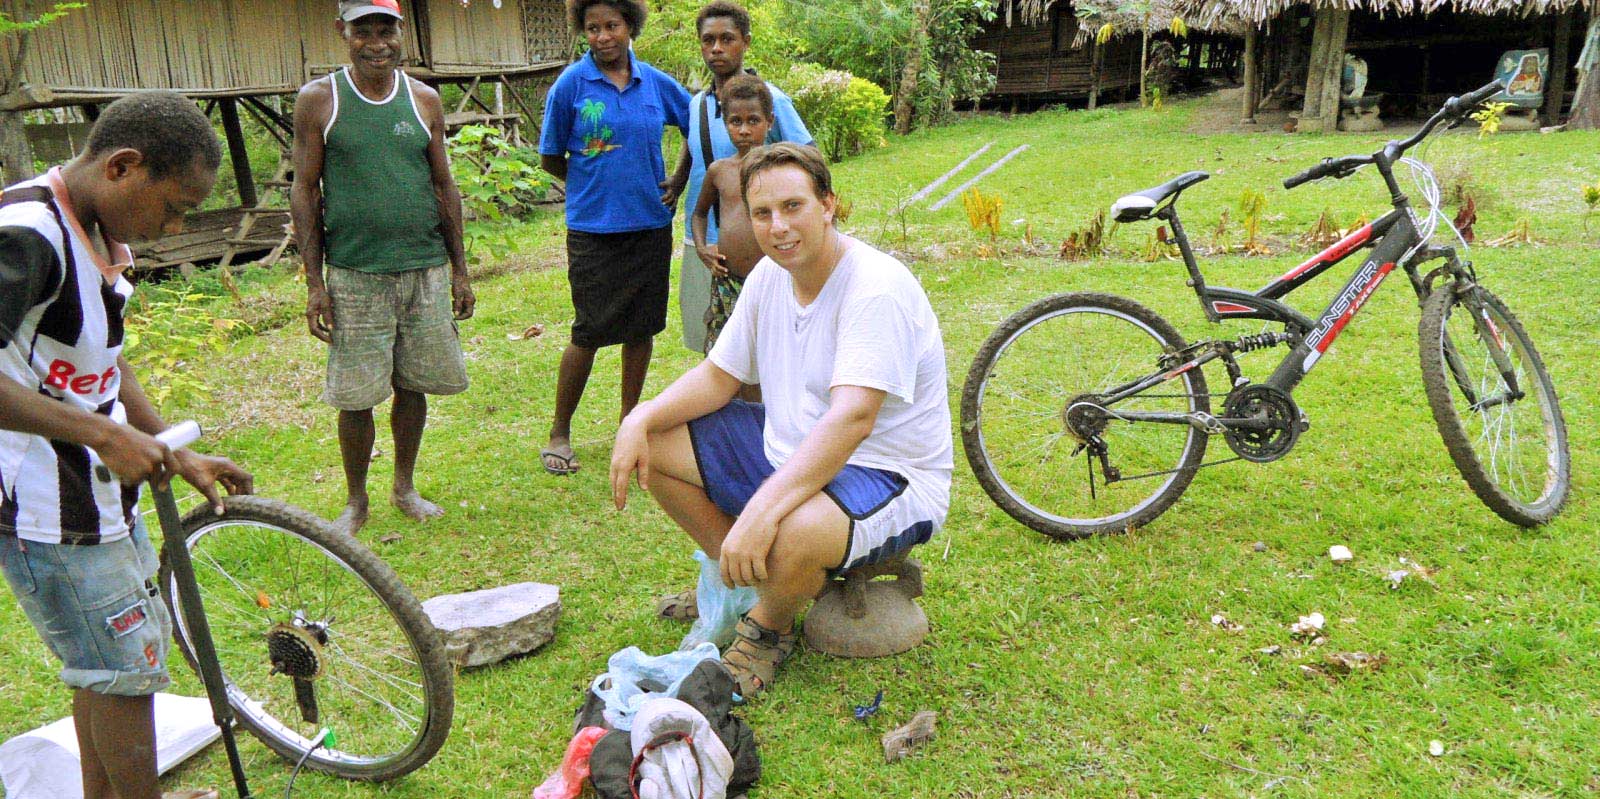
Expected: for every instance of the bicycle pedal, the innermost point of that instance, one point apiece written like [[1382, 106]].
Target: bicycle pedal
[[1303, 423]]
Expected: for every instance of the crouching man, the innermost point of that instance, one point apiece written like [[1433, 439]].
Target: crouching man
[[847, 462]]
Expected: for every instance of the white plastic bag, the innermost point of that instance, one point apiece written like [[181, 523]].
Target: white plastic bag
[[720, 606], [619, 686], [44, 763]]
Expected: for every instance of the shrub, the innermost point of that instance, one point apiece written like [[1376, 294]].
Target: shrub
[[844, 112], [171, 329], [497, 179]]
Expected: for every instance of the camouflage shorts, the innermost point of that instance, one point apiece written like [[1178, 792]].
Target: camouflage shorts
[[391, 330], [724, 293]]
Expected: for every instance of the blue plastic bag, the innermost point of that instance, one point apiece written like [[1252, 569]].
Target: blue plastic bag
[[720, 607], [619, 686]]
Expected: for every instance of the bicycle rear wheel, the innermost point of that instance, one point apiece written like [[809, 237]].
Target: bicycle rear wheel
[[1058, 356], [1494, 403], [312, 630]]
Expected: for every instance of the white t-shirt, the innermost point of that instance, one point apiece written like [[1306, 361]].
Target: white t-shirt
[[870, 326]]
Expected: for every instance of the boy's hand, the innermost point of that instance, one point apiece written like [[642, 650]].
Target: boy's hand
[[204, 472], [715, 261], [133, 457]]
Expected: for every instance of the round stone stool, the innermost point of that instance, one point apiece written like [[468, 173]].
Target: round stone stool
[[856, 616]]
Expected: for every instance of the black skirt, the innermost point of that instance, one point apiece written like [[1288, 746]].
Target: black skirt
[[619, 285]]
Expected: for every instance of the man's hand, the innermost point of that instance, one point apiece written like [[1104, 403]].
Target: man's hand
[[714, 260], [134, 457], [629, 455], [671, 188], [319, 314], [204, 472], [462, 300], [744, 551]]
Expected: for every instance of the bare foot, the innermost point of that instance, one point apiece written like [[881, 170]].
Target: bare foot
[[413, 505], [353, 517], [558, 457]]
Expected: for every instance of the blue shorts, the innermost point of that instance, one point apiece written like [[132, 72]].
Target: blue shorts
[[97, 608], [885, 520]]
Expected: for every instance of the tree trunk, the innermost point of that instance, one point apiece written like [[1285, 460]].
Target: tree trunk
[[15, 155], [1144, 61], [1252, 57], [1555, 88], [1586, 105], [1321, 110], [903, 107]]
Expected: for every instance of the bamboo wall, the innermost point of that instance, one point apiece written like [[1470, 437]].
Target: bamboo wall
[[253, 46], [1039, 60]]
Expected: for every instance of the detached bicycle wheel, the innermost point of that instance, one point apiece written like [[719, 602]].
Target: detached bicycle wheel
[[1494, 404], [312, 630], [1036, 388]]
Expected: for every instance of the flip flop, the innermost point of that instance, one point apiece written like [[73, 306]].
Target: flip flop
[[568, 463]]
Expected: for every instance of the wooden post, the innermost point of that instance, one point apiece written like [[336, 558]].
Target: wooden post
[[16, 156], [1321, 111], [1586, 103], [1252, 48], [1096, 61], [1555, 88], [236, 151]]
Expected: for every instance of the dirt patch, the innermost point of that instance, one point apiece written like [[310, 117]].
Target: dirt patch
[[1220, 111]]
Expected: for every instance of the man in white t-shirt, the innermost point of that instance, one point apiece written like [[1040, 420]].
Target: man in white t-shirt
[[849, 460]]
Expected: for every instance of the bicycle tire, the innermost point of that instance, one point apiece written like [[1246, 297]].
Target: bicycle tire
[[1451, 360], [268, 537], [1049, 515]]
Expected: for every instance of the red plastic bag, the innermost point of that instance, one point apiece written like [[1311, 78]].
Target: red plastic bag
[[566, 782]]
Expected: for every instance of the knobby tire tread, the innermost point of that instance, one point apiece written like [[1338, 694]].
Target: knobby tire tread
[[983, 362], [437, 672], [1441, 389]]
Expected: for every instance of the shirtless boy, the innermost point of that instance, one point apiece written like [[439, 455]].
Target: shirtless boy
[[747, 110]]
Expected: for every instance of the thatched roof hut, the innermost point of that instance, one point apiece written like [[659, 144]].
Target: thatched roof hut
[[230, 54], [1418, 50]]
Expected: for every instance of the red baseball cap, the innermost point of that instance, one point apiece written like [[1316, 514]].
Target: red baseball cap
[[352, 10]]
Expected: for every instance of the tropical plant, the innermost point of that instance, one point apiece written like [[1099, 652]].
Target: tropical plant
[[1591, 199], [844, 112], [9, 25], [170, 327], [1488, 118], [1146, 14], [496, 179]]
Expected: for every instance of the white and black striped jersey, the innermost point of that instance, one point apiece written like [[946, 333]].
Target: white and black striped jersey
[[60, 335]]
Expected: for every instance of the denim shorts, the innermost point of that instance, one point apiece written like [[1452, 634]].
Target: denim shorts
[[97, 608], [886, 520]]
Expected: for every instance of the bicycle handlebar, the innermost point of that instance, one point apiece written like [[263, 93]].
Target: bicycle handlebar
[[180, 435], [1453, 110]]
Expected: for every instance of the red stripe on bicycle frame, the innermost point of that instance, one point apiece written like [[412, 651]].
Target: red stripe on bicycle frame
[[1230, 307], [1360, 300], [1337, 250]]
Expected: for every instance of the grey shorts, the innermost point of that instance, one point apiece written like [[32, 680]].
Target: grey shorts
[[97, 608], [391, 330], [694, 296]]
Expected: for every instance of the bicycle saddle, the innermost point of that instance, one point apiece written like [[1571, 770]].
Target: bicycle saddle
[[1139, 205]]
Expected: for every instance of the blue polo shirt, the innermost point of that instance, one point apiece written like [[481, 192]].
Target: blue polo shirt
[[612, 140], [786, 126]]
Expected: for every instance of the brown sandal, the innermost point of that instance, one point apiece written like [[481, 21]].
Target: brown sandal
[[682, 606], [755, 655]]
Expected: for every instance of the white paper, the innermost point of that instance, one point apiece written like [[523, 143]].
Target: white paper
[[44, 763]]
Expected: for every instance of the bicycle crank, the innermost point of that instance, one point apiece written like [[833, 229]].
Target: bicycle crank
[[1263, 423]]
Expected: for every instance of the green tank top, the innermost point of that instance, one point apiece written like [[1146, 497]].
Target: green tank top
[[379, 210]]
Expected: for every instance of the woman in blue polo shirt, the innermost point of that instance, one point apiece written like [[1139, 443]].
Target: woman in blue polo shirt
[[603, 121]]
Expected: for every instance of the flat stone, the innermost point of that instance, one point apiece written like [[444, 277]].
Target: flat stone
[[488, 626]]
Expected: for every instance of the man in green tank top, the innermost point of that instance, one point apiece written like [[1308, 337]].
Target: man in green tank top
[[378, 221]]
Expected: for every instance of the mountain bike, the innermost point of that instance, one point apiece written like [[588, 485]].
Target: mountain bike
[[1102, 379], [304, 636]]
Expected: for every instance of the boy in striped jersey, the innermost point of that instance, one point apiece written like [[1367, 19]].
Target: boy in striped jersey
[[72, 546]]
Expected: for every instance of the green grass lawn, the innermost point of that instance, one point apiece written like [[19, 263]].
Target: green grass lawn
[[1081, 669]]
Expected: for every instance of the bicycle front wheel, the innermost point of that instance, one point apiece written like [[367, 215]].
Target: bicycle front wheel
[[1494, 404], [312, 630], [1037, 386]]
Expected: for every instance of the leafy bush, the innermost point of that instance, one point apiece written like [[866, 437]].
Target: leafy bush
[[497, 179], [171, 328], [844, 112]]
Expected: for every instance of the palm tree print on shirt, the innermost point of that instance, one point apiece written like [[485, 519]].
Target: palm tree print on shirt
[[598, 138]]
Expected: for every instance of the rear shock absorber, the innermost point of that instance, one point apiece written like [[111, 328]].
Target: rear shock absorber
[[1260, 341]]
